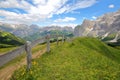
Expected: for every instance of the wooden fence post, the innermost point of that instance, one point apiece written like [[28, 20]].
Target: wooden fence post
[[29, 54], [63, 39], [48, 42], [57, 40]]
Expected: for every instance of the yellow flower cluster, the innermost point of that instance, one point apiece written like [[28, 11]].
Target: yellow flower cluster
[[35, 63], [31, 72]]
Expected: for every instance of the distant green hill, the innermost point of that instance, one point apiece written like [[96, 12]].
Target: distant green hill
[[81, 59], [8, 39]]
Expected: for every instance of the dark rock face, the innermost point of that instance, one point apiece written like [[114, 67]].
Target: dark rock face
[[103, 26]]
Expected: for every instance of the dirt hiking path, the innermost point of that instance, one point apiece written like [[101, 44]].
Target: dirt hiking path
[[7, 72]]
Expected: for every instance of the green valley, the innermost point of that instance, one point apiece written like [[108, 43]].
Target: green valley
[[9, 41]]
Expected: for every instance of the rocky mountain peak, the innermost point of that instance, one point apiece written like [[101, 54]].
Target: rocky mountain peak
[[88, 23], [104, 25]]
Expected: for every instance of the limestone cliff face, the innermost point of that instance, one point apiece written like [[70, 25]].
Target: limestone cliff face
[[103, 26], [84, 29]]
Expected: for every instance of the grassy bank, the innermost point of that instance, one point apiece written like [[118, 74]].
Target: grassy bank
[[5, 50], [81, 59]]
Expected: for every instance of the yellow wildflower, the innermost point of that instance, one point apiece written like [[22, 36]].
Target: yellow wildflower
[[34, 63], [31, 72]]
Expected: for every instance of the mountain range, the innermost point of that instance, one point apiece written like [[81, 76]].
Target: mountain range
[[20, 30], [52, 30], [33, 32], [106, 27]]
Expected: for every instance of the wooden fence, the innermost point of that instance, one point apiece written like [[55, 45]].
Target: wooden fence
[[5, 58]]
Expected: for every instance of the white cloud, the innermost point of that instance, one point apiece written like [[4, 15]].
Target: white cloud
[[9, 4], [75, 12], [49, 7], [66, 19], [40, 9], [7, 13], [65, 24], [15, 4], [77, 5], [19, 18], [111, 6], [43, 2], [94, 17], [82, 4]]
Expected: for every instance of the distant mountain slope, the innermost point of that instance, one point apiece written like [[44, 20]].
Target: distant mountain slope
[[104, 26], [82, 59], [67, 31], [31, 32], [20, 30], [8, 39]]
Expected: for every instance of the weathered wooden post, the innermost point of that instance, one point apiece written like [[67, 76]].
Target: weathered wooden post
[[57, 40], [62, 38], [29, 54], [48, 42]]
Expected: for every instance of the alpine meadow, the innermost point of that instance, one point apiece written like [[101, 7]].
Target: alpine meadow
[[59, 40]]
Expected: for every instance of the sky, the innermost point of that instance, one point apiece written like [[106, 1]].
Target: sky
[[54, 12]]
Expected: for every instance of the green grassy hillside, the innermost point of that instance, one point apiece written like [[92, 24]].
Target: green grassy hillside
[[81, 59], [7, 40]]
